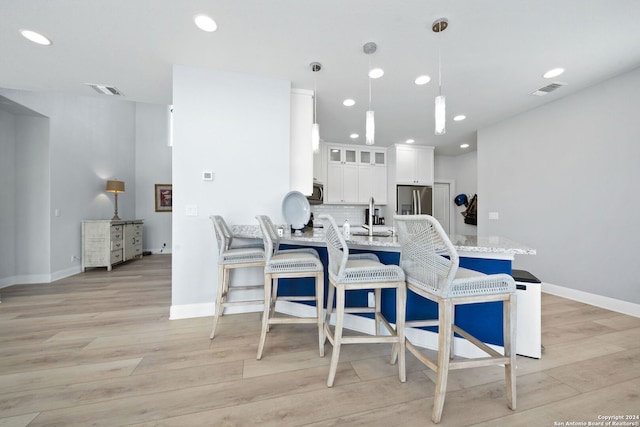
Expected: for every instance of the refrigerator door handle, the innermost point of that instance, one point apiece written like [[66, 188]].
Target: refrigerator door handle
[[414, 207], [419, 202]]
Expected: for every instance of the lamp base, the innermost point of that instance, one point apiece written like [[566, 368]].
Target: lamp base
[[116, 218]]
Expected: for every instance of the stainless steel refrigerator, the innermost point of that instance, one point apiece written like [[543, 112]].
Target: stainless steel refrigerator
[[414, 200]]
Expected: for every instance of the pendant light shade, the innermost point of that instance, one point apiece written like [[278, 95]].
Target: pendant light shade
[[439, 26], [315, 128], [315, 137], [440, 115], [370, 128], [370, 125]]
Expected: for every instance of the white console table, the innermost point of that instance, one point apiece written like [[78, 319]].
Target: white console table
[[106, 242]]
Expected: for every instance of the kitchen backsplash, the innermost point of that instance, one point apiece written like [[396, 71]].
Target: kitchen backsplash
[[355, 214]]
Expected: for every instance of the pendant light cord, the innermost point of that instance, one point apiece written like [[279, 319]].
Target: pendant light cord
[[439, 68], [369, 75]]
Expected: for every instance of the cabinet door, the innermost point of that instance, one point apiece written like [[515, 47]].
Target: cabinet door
[[379, 179], [333, 192], [350, 184], [405, 166], [335, 155], [424, 167], [366, 186]]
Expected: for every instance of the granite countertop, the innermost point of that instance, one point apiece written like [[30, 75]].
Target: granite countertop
[[467, 244]]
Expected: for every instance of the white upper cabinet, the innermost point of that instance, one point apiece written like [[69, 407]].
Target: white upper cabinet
[[414, 165], [355, 174]]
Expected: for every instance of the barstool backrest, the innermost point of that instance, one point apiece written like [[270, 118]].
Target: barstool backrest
[[427, 256], [223, 234], [269, 236], [336, 246]]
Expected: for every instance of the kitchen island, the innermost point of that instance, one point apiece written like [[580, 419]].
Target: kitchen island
[[490, 254]]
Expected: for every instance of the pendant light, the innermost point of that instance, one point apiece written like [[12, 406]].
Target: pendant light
[[440, 105], [370, 125], [315, 128]]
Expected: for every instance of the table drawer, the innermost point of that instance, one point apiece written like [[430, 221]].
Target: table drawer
[[116, 256]]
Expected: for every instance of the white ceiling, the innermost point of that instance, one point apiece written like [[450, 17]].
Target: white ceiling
[[493, 53]]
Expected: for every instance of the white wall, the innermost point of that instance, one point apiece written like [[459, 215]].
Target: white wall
[[563, 179], [153, 166], [33, 225], [91, 139], [463, 170], [238, 127], [7, 195]]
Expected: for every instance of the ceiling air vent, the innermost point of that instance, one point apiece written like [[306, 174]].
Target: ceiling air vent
[[548, 88], [105, 90]]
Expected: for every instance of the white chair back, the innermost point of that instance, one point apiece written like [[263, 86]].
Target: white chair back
[[269, 236], [427, 256], [336, 247], [223, 234]]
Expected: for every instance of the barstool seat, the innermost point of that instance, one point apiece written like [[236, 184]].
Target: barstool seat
[[230, 258], [357, 272], [291, 263]]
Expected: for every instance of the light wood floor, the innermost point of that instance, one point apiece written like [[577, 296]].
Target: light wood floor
[[98, 349]]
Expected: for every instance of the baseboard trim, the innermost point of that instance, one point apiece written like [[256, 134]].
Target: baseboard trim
[[619, 306]]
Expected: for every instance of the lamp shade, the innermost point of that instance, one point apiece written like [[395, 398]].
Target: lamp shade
[[114, 186]]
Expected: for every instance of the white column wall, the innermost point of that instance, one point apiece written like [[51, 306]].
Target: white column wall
[[238, 127], [563, 179], [7, 195]]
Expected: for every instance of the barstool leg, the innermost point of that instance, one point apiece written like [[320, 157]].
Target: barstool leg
[[222, 276], [445, 311], [320, 311], [337, 334], [401, 304], [265, 315], [378, 303], [509, 318], [327, 319]]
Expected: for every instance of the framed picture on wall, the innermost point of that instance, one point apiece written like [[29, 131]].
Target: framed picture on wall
[[164, 195]]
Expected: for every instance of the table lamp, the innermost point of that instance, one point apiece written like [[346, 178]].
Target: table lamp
[[115, 186]]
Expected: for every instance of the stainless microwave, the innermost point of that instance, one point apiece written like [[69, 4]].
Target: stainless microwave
[[317, 196]]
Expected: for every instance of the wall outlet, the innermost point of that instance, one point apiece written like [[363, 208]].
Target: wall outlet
[[371, 300], [192, 210], [494, 215]]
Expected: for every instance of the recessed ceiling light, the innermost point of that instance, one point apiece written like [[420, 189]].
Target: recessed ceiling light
[[459, 117], [422, 80], [376, 73], [205, 23], [464, 146], [35, 37], [349, 102], [553, 73], [354, 136], [410, 141]]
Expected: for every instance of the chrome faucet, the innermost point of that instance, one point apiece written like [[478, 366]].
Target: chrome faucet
[[370, 219]]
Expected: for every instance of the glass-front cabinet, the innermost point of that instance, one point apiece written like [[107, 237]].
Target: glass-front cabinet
[[355, 174]]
